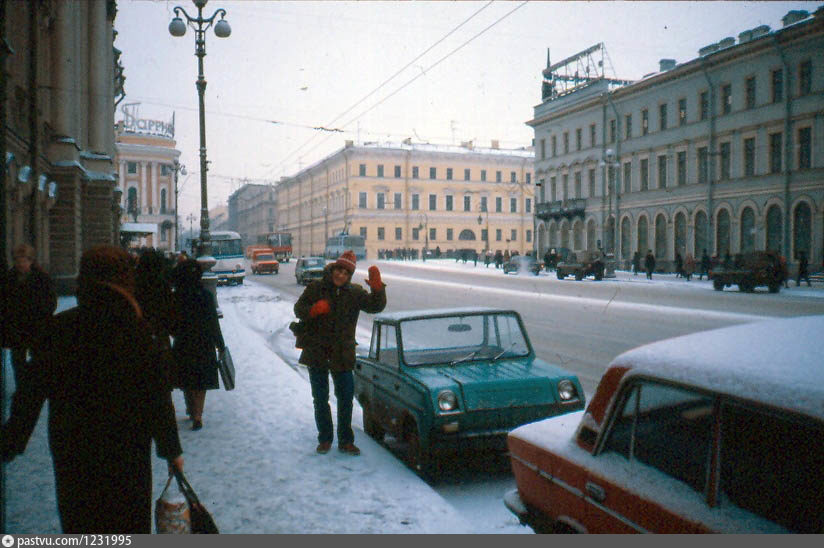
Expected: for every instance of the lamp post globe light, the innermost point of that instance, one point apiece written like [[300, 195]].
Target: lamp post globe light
[[177, 28]]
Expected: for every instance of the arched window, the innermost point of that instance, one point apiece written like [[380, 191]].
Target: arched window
[[681, 234], [701, 242], [131, 201], [626, 239], [578, 235], [466, 235], [564, 234], [801, 229], [643, 236], [553, 235], [591, 242], [722, 232], [163, 200], [774, 232], [747, 230], [661, 236]]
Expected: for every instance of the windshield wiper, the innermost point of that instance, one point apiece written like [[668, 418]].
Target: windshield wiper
[[465, 358], [502, 352]]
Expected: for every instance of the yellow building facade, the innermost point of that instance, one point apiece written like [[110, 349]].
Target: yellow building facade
[[412, 196]]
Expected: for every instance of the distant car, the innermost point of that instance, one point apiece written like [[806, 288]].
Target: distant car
[[263, 261], [581, 265], [748, 271], [456, 378], [718, 431], [308, 269], [523, 263]]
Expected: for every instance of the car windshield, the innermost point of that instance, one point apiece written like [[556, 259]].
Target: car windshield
[[313, 262], [454, 340], [264, 257]]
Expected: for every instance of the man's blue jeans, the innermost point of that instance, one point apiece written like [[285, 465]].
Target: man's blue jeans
[[344, 383]]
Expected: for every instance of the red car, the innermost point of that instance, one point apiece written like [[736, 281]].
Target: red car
[[719, 431], [263, 261]]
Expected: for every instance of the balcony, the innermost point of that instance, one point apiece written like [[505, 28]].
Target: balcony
[[561, 208]]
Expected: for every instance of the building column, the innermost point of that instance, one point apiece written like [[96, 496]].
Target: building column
[[154, 189], [99, 85], [142, 191], [64, 91]]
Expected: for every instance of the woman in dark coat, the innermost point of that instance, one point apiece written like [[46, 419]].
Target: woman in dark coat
[[196, 335], [31, 300], [108, 400]]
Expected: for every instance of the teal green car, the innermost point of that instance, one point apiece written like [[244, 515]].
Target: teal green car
[[451, 379]]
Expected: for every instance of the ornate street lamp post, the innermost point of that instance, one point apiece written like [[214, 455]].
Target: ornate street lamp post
[[179, 168], [177, 28]]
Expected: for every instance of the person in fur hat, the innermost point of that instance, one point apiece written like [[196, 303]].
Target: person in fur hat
[[109, 398], [330, 308]]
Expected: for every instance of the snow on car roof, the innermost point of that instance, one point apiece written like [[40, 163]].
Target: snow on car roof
[[777, 362], [438, 312]]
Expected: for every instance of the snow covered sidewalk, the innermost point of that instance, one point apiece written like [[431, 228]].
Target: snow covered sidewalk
[[254, 463]]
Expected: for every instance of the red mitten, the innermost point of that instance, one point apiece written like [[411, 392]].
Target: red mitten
[[374, 280], [319, 308]]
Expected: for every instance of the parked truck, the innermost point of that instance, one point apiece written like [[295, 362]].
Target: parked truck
[[581, 264], [748, 271]]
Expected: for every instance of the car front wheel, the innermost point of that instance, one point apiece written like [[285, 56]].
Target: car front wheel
[[370, 425], [718, 285], [417, 456]]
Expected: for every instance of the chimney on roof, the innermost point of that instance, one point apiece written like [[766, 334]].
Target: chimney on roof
[[666, 64], [706, 50], [794, 16], [495, 144], [726, 42], [760, 31], [744, 37]]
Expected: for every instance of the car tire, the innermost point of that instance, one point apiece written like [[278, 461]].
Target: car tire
[[370, 425], [718, 285], [559, 275], [775, 287], [417, 457], [579, 276]]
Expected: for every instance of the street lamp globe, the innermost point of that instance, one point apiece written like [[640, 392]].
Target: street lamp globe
[[222, 29], [177, 27]]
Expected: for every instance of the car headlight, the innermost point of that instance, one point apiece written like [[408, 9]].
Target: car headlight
[[447, 401], [567, 390]]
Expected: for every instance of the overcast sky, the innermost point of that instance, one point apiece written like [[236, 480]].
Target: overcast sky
[[289, 67]]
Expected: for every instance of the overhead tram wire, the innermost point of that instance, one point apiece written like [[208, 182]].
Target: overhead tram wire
[[423, 72], [410, 63]]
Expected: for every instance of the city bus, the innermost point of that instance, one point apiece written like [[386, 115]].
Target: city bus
[[281, 242], [227, 250], [343, 241]]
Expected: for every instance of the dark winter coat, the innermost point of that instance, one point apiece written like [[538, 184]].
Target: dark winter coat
[[108, 399], [30, 302], [330, 339], [649, 262], [197, 336]]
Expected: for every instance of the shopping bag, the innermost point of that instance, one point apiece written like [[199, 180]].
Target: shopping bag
[[227, 368], [172, 511], [202, 522]]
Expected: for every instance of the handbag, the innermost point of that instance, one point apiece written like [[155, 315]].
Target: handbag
[[172, 514], [226, 367], [202, 521]]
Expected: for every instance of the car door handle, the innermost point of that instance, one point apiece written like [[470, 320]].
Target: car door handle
[[596, 492]]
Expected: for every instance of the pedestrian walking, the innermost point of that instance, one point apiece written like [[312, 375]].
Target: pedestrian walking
[[330, 308], [197, 337], [649, 264], [785, 272], [689, 266], [487, 258], [108, 400], [679, 265], [636, 262], [153, 291], [803, 273], [705, 265], [31, 300], [499, 259]]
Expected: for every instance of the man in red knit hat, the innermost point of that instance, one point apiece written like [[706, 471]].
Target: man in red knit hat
[[330, 308]]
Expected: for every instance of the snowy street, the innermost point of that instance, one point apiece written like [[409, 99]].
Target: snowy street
[[254, 463]]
